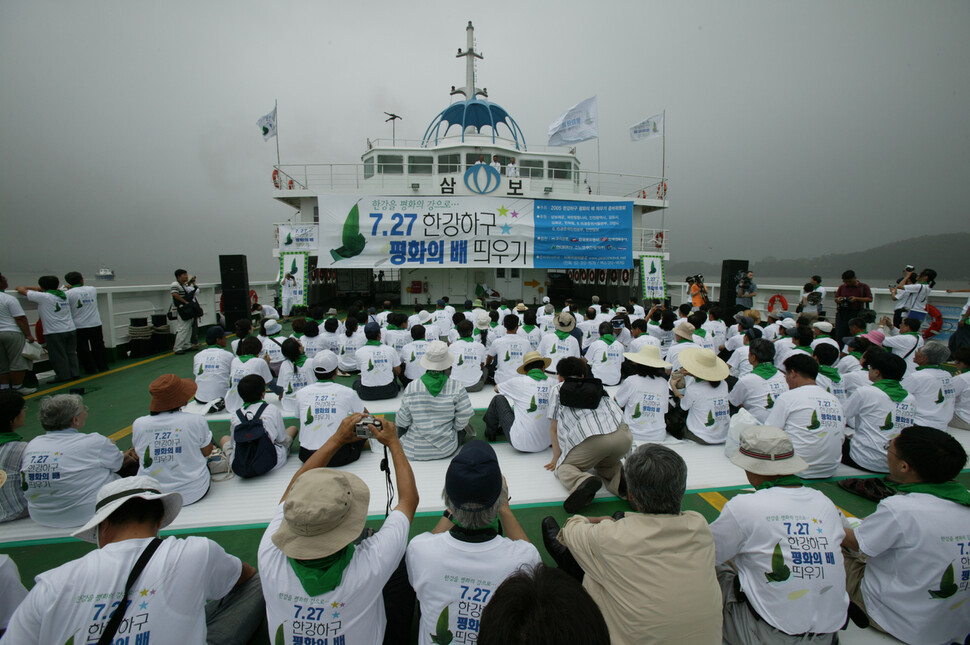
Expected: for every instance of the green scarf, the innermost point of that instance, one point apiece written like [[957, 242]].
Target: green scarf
[[74, 286], [300, 361], [609, 339], [393, 328], [245, 357], [909, 333], [297, 335], [929, 367], [562, 335], [467, 339], [537, 375], [57, 292], [700, 332], [324, 574], [493, 325], [765, 370], [528, 328], [653, 322], [683, 340], [374, 343], [951, 491], [784, 480], [7, 437], [830, 372], [807, 350], [892, 388], [856, 355], [434, 381]]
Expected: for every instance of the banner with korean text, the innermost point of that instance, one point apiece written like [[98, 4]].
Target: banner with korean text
[[296, 264], [653, 277], [369, 232], [297, 237]]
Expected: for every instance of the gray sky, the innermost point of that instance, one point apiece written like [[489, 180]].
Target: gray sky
[[128, 130]]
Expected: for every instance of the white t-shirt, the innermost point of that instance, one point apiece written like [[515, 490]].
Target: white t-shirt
[[9, 309], [507, 353], [411, 355], [396, 338], [935, 396], [706, 340], [757, 395], [719, 331], [75, 601], [673, 353], [64, 470], [852, 381], [211, 368], [312, 345], [739, 363], [911, 542], [292, 380], [807, 592], [905, 346], [468, 359], [272, 420], [347, 355], [238, 369], [848, 364], [12, 590], [643, 339], [55, 313], [834, 387], [376, 364], [321, 407], [534, 335], [169, 447], [605, 360], [961, 407], [645, 401], [354, 611], [269, 312], [273, 347], [84, 306], [529, 399], [916, 296], [815, 422], [460, 578], [553, 348], [590, 329], [442, 319], [708, 414], [329, 340], [877, 419]]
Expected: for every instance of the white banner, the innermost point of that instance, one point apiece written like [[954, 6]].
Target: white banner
[[652, 277], [295, 264], [267, 125], [578, 123], [297, 237], [648, 128]]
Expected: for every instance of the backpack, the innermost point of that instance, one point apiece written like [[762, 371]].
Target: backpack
[[584, 393], [254, 453]]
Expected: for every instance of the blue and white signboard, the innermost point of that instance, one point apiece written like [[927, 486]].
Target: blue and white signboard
[[405, 232]]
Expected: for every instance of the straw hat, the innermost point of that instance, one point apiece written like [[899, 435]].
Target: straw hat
[[437, 357], [532, 357], [648, 355], [767, 450], [169, 392], [565, 322], [704, 364], [113, 494], [521, 307], [324, 511], [483, 322], [685, 330]]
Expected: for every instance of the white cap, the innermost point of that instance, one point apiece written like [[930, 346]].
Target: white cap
[[324, 362]]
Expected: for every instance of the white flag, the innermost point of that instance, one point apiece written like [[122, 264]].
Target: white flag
[[268, 125], [578, 123], [648, 128]]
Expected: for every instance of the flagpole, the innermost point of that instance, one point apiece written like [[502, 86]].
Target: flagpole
[[276, 112], [599, 174], [663, 170]]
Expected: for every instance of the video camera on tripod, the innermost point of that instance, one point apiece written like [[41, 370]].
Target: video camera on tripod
[[744, 282]]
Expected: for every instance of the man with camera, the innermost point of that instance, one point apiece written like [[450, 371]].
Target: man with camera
[[183, 300], [851, 297], [698, 290], [747, 290]]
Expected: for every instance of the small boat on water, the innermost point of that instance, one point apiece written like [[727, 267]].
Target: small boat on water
[[105, 273]]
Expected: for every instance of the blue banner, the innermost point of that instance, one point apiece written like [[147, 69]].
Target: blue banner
[[583, 235]]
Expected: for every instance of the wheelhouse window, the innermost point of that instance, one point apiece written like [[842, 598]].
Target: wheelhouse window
[[531, 168], [390, 164], [420, 165], [368, 167], [471, 158], [448, 164], [560, 169]]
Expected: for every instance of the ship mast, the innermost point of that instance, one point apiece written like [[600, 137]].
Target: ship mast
[[469, 91]]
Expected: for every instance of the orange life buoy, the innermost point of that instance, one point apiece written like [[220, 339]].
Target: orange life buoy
[[662, 190], [276, 178], [289, 185], [658, 240], [775, 299], [936, 323]]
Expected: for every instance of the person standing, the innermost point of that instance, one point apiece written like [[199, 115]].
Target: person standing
[[180, 296], [87, 319], [289, 294], [851, 297], [14, 333], [60, 334], [747, 290]]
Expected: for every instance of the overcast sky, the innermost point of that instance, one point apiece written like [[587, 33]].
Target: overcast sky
[[128, 134]]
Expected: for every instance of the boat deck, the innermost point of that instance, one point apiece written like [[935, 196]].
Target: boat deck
[[236, 511]]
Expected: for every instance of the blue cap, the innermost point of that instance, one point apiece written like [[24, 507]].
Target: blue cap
[[372, 328], [441, 303], [474, 480], [213, 334]]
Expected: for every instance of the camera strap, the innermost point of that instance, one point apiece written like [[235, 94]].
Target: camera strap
[[107, 636], [386, 467]]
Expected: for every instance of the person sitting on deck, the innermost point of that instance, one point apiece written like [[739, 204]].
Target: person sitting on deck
[[812, 417], [740, 360], [904, 562], [700, 385], [823, 330], [295, 374], [379, 364], [13, 415], [605, 355], [758, 536], [651, 572], [530, 329], [252, 389], [904, 341], [191, 590], [589, 328], [212, 367], [466, 545], [243, 328], [329, 338], [961, 383], [518, 409], [316, 558], [173, 445], [684, 335], [560, 344], [247, 361], [63, 468], [507, 351], [469, 358], [757, 391], [932, 386], [587, 432], [411, 355], [829, 378], [350, 341], [644, 394], [321, 406], [271, 336], [435, 410], [396, 335], [266, 312]]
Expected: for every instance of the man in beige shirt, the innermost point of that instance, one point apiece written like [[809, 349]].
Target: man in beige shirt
[[650, 572]]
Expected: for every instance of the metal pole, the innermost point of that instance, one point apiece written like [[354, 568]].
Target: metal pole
[[599, 173], [276, 112]]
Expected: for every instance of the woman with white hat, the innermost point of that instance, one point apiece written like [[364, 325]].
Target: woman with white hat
[[704, 396], [644, 395]]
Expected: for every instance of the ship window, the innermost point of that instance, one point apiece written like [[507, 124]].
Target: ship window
[[515, 273], [471, 158], [420, 165], [530, 168], [368, 167], [499, 273], [390, 164], [316, 214], [560, 169], [448, 164]]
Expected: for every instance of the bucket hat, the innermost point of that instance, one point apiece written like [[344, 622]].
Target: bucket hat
[[113, 494], [767, 450], [170, 392]]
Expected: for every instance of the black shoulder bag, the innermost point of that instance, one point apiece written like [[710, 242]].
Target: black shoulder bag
[[584, 393], [112, 627]]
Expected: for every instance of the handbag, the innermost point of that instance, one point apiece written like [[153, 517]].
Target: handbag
[[32, 351], [107, 636]]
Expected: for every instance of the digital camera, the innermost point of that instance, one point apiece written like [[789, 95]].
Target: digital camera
[[363, 427]]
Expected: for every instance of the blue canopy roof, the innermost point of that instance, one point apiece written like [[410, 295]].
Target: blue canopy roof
[[474, 113]]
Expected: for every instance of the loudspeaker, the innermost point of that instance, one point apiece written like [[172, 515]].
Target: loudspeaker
[[234, 272], [729, 285], [235, 305]]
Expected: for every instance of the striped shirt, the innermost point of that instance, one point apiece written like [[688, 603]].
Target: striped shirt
[[13, 504], [433, 422], [576, 424]]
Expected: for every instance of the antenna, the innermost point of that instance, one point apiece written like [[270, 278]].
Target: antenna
[[392, 118]]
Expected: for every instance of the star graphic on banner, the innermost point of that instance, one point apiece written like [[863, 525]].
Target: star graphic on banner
[[336, 614], [335, 604], [814, 520], [152, 593], [143, 592], [506, 229], [143, 605], [515, 213], [503, 211], [820, 530]]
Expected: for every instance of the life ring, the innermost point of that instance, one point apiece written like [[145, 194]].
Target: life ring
[[662, 190], [289, 185], [625, 276], [936, 325], [601, 276], [276, 178], [658, 240], [614, 276], [253, 299], [775, 299]]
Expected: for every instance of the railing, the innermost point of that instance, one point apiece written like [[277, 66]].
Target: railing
[[479, 140], [650, 240]]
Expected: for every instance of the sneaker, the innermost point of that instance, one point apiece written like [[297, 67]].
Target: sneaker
[[24, 391]]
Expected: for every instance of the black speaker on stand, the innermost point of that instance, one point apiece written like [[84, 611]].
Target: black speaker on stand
[[235, 289], [729, 284]]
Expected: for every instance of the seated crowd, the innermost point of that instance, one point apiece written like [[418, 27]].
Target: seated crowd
[[781, 565]]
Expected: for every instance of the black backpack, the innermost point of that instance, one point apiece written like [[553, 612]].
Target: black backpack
[[584, 393], [254, 453]]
